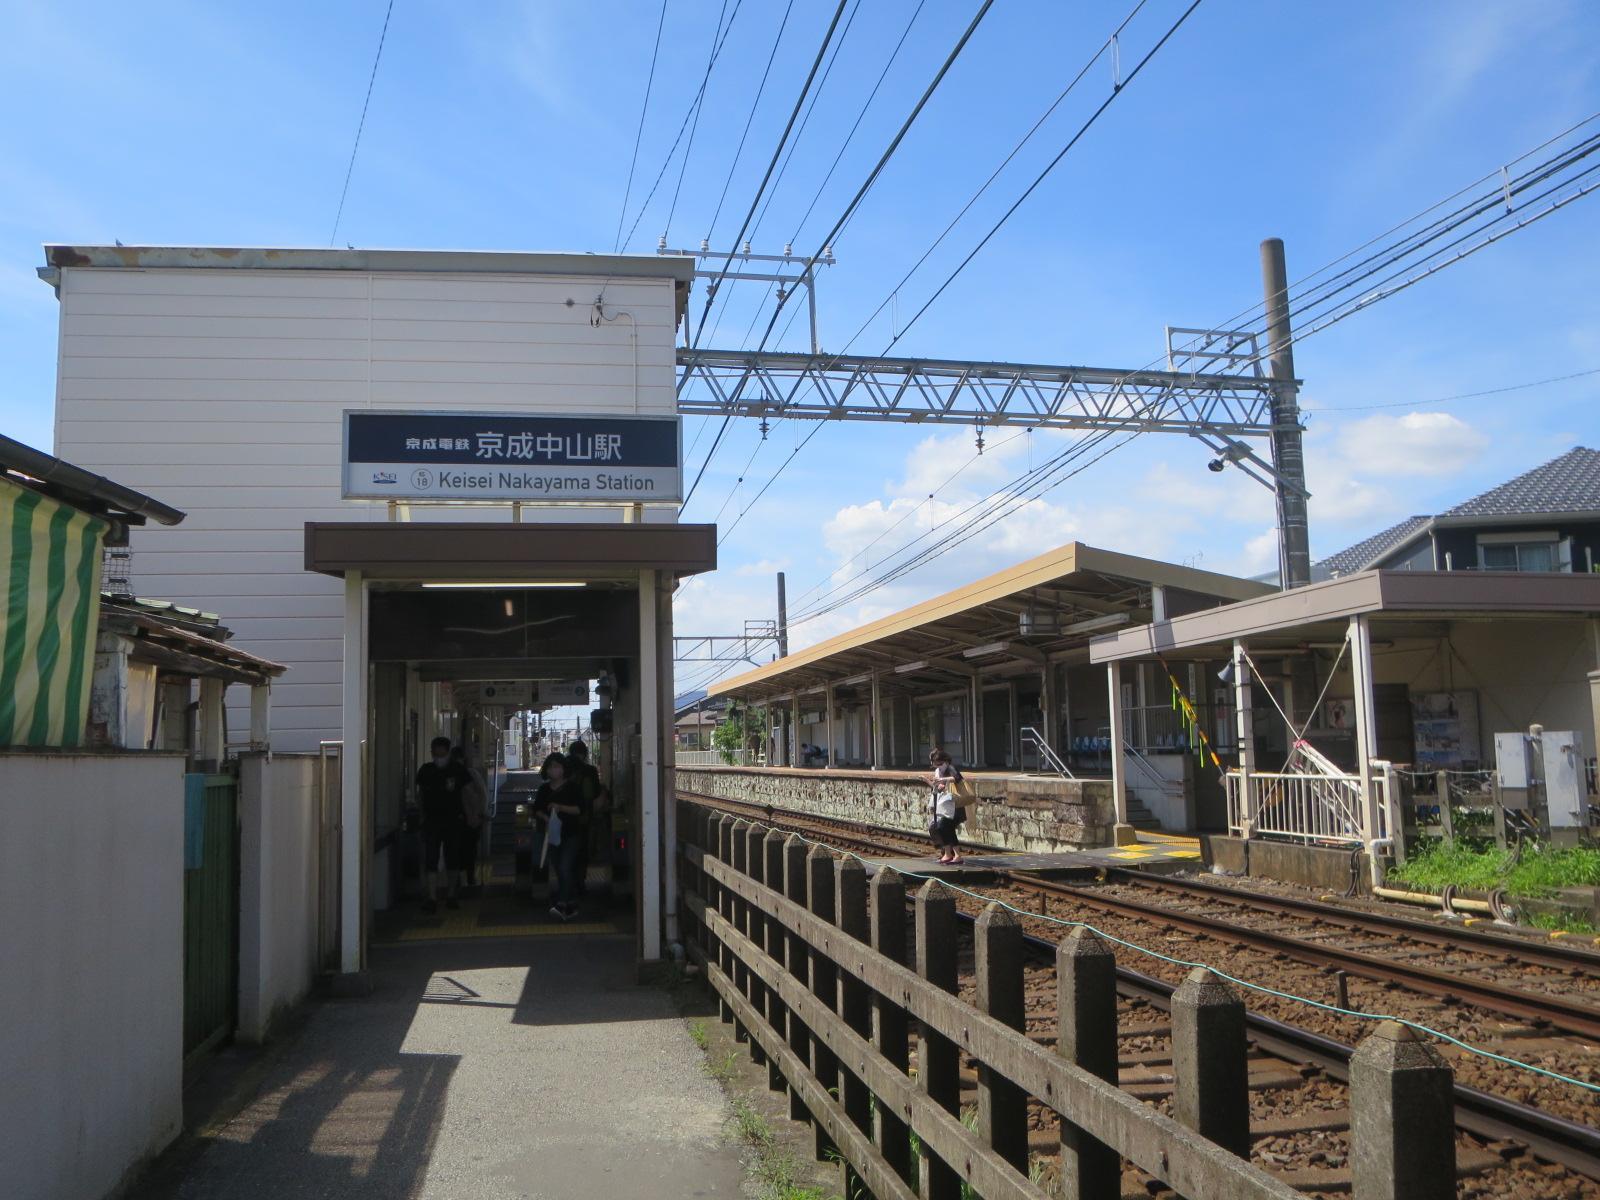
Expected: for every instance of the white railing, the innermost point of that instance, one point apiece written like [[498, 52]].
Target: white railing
[[1304, 807], [713, 758]]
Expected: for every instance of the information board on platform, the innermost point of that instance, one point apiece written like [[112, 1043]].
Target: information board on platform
[[507, 456]]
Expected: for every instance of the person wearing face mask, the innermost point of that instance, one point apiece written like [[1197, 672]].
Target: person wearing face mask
[[441, 787]]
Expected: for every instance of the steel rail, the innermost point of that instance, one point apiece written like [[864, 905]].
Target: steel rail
[[1570, 1015], [1554, 955], [1548, 1137]]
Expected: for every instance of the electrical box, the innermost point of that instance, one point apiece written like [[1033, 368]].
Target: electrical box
[[1561, 752], [1512, 770]]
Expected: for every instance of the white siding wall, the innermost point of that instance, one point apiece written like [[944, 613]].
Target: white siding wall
[[221, 392]]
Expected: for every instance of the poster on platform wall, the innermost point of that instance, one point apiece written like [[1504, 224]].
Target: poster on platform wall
[[1445, 725]]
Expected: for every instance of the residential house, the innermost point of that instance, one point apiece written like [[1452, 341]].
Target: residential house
[[1546, 519]]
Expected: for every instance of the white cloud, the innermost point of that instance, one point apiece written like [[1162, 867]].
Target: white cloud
[[1418, 443]]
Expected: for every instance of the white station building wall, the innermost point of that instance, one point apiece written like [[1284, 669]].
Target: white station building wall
[[221, 391]]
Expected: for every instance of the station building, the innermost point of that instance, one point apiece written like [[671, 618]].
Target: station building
[[407, 474], [1097, 698]]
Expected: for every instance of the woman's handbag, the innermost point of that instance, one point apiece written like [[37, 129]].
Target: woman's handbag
[[966, 796]]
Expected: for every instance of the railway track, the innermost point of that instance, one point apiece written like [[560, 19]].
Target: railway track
[[1506, 1146]]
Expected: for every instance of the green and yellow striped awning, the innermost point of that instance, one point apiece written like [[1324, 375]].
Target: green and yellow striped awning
[[49, 614]]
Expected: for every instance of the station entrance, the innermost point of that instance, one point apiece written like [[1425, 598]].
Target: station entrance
[[457, 631]]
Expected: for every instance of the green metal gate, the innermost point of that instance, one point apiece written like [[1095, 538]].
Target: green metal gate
[[210, 911]]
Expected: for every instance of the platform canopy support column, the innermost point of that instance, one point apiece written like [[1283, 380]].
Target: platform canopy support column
[[827, 717], [352, 796], [1366, 733], [1244, 731], [877, 724], [649, 771], [1123, 833]]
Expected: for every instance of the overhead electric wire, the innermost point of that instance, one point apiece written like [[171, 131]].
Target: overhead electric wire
[[861, 192], [719, 38], [1406, 248], [1295, 285], [1497, 391], [889, 151], [994, 506], [749, 118], [927, 93], [627, 192], [1051, 166], [383, 36], [765, 179], [995, 174], [777, 153], [699, 108], [783, 169]]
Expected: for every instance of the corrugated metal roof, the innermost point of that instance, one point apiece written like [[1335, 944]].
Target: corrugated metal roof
[[1078, 572], [1364, 553], [1570, 483]]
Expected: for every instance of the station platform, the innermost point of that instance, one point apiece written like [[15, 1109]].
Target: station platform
[[513, 1068], [1157, 852]]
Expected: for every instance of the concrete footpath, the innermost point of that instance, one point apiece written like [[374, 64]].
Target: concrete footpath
[[490, 1069]]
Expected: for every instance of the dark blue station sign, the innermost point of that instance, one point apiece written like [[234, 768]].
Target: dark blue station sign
[[530, 457]]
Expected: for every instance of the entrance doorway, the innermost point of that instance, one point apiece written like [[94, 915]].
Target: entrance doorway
[[473, 633]]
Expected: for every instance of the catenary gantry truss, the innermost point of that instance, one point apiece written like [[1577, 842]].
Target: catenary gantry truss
[[768, 385]]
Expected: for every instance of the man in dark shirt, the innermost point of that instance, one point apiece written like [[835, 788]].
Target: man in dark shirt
[[596, 806], [440, 788]]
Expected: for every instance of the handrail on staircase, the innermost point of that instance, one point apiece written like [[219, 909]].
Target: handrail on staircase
[[1170, 786], [1046, 752]]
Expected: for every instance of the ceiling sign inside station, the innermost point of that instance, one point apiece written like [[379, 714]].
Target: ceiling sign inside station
[[452, 456], [537, 693]]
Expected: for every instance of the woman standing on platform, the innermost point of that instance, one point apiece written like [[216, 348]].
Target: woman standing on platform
[[942, 805]]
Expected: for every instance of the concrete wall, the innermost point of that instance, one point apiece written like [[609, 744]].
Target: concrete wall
[[278, 887], [222, 391], [1017, 812], [91, 969]]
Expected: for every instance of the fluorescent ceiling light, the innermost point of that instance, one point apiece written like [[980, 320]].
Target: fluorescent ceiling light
[[509, 583]]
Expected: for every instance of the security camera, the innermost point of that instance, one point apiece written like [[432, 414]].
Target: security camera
[[1216, 464]]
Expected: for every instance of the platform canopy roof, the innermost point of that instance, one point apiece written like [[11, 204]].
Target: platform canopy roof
[[1398, 604], [1044, 609]]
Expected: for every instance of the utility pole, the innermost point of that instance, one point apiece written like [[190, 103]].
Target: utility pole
[[783, 619], [1288, 457]]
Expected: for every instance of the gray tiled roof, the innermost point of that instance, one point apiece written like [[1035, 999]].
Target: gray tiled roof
[[1570, 483], [1360, 556]]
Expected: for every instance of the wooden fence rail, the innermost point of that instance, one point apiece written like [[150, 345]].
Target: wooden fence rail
[[810, 963]]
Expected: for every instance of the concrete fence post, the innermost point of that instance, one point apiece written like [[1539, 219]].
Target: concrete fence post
[[798, 959], [854, 1001], [1211, 1075], [777, 1011], [1086, 1035], [1002, 1105], [1402, 1118], [938, 1058], [890, 1027], [824, 981]]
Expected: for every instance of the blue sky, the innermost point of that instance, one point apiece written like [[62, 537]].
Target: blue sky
[[506, 125]]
